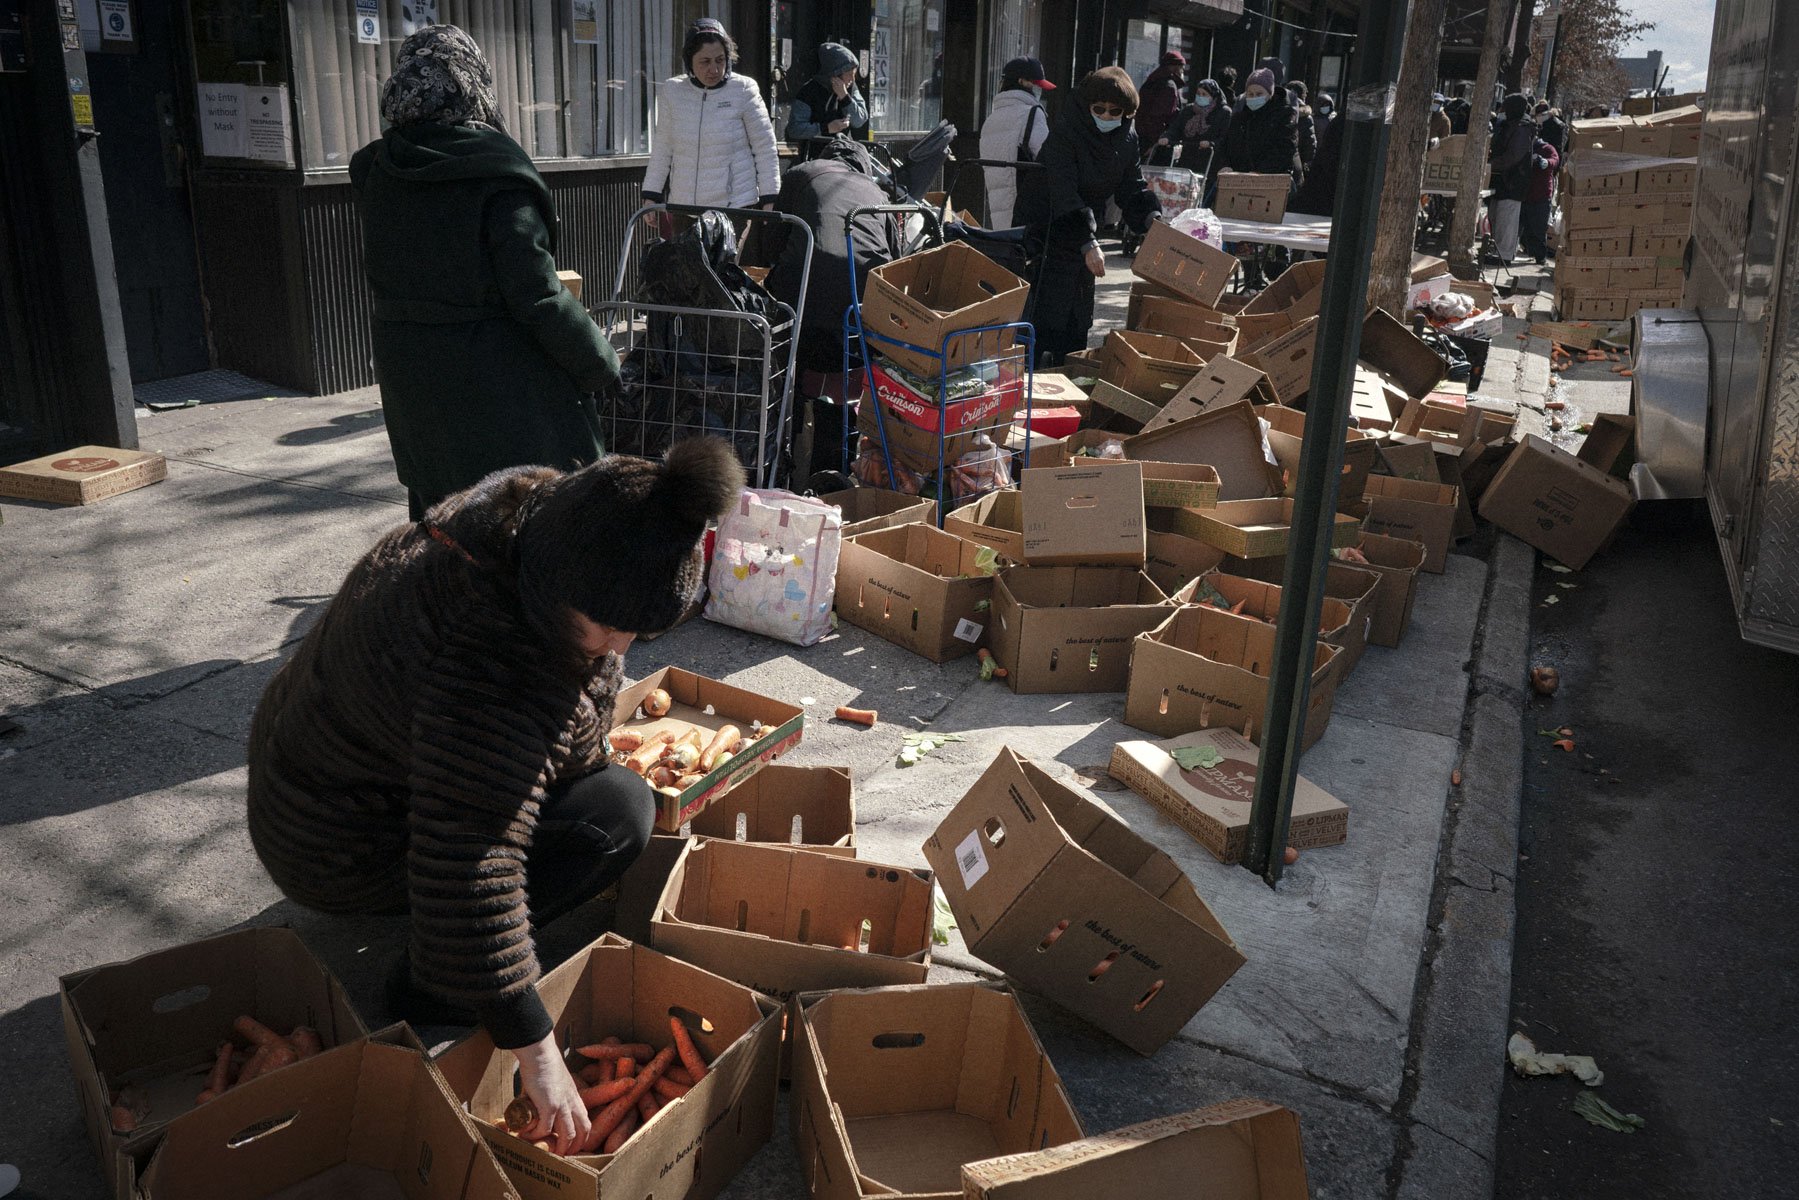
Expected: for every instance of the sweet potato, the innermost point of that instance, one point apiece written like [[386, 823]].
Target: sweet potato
[[724, 740]]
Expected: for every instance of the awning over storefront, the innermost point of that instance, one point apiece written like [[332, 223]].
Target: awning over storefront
[[1201, 14]]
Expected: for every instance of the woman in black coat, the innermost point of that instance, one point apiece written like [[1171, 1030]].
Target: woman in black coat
[[1261, 138], [1089, 157], [1199, 129]]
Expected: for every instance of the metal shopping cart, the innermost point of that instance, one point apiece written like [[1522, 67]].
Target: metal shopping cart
[[723, 367]]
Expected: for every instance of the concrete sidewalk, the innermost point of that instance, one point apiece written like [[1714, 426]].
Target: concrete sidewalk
[[136, 636]]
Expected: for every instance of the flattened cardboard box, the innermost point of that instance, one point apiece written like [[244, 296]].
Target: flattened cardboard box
[[1564, 507], [1212, 803], [1117, 409], [918, 587], [1416, 511], [1065, 898], [1204, 667], [1082, 515], [1286, 359], [693, 1147], [897, 1089], [1227, 438], [1183, 264], [995, 520], [708, 705], [1241, 1149], [84, 475], [781, 920], [371, 1118], [866, 509], [922, 298], [154, 1023], [1069, 629]]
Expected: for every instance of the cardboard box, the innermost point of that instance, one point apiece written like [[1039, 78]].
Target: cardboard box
[[1152, 366], [1204, 667], [1667, 179], [1376, 400], [1241, 1149], [1443, 162], [1391, 347], [914, 400], [1212, 803], [1118, 411], [1083, 516], [1069, 629], [1591, 306], [866, 509], [1605, 133], [1174, 560], [1066, 899], [1286, 359], [923, 298], [1595, 243], [84, 475], [1610, 444], [1143, 289], [781, 920], [1351, 584], [708, 705], [1405, 457], [995, 520], [1397, 561], [371, 1119], [812, 808], [1286, 437], [1493, 425], [1171, 485], [913, 449], [1253, 528], [1633, 273], [572, 281], [1652, 140], [896, 1089], [154, 1023], [918, 587], [1183, 264], [1206, 331], [1564, 507], [693, 1146], [1571, 272], [1242, 196], [1416, 511], [1261, 599], [1224, 380], [1578, 185], [1227, 438], [1294, 294], [1052, 389], [1683, 141], [1590, 212]]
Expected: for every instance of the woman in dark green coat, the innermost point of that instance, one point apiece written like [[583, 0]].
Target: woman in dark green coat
[[484, 359]]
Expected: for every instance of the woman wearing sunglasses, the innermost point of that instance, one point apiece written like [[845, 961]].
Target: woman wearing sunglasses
[[1089, 157]]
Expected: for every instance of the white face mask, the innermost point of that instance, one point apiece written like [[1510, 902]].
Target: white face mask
[[1036, 92], [1203, 101]]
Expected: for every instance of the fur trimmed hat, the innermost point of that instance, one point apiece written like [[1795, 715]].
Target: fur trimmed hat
[[619, 540]]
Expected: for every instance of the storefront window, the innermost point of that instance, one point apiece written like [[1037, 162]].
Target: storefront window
[[241, 83], [1017, 26], [633, 48], [905, 67], [1142, 48]]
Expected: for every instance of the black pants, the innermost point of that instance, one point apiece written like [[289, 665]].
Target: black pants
[[589, 831], [1533, 227]]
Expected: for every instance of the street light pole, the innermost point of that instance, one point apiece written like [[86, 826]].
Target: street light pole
[[1368, 107]]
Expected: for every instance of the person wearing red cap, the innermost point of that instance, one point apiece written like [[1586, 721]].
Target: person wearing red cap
[[1013, 132], [1158, 100]]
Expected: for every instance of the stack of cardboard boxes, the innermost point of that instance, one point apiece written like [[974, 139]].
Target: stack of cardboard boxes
[[1626, 195]]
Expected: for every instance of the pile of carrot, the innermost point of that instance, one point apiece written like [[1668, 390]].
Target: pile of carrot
[[672, 761], [627, 1084], [261, 1050]]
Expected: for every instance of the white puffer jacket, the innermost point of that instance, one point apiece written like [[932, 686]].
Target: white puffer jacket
[[713, 146], [1000, 136]]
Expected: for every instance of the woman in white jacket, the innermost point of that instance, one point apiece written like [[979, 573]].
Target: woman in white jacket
[[714, 145], [1016, 123]]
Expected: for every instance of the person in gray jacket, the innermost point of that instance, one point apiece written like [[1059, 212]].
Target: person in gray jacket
[[828, 103]]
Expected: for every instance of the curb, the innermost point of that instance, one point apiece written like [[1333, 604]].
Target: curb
[[1448, 1108]]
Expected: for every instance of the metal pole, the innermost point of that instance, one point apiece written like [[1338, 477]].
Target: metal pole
[[1368, 107]]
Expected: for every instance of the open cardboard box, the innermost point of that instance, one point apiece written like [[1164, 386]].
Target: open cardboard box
[[1069, 629], [369, 1120], [1183, 264], [1173, 560], [1206, 330], [1350, 583], [1212, 803], [1389, 346], [1286, 437], [1417, 511], [1238, 1150], [1151, 366], [1224, 380], [1083, 515], [918, 587], [1227, 437], [866, 509], [810, 808], [693, 1146], [1203, 667], [896, 1089], [1065, 898], [1169, 485], [924, 298], [1294, 295], [995, 520], [783, 920], [1565, 507], [154, 1023], [1376, 399], [708, 705], [1254, 528], [1142, 289], [1243, 196], [83, 475], [1261, 599], [1397, 561], [1286, 358], [1117, 410]]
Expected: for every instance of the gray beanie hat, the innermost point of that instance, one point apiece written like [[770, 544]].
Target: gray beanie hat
[[834, 59]]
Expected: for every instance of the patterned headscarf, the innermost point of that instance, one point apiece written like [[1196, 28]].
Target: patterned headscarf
[[442, 78]]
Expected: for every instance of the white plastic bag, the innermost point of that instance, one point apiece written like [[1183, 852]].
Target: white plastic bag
[[1201, 223], [774, 566]]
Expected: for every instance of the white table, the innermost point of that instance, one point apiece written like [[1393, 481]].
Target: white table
[[1297, 231]]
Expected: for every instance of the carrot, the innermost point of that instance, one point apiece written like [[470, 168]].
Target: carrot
[[254, 1031], [610, 1118], [220, 1079], [645, 756], [690, 1054], [678, 1074], [266, 1059], [621, 1133], [616, 1049], [123, 1119], [306, 1041], [856, 716], [726, 737], [668, 1089], [205, 1095], [602, 1094], [657, 703], [1455, 778], [624, 1068], [1563, 744], [593, 1073], [625, 739], [646, 1107]]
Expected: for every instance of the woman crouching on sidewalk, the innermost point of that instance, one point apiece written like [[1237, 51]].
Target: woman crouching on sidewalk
[[437, 743]]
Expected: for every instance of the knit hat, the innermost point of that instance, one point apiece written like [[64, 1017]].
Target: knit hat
[[1174, 58], [619, 540], [1515, 106], [834, 59], [1261, 77]]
